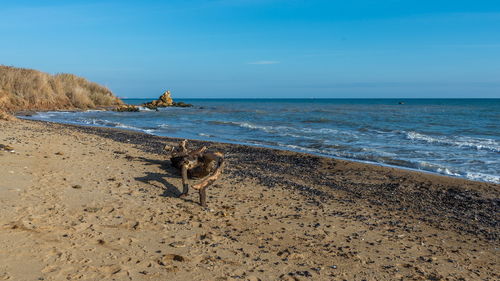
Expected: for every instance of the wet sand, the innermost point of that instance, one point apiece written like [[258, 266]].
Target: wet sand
[[83, 203]]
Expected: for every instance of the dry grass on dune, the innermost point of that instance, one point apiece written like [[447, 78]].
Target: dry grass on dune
[[28, 89], [5, 116]]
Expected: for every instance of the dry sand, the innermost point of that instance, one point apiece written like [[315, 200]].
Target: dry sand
[[80, 203]]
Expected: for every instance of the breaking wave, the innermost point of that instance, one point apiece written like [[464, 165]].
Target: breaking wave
[[468, 142], [285, 129], [483, 177], [107, 123]]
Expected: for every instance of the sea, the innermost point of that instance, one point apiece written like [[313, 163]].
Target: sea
[[454, 137]]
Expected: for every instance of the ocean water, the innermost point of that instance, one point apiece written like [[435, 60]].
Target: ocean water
[[455, 137]]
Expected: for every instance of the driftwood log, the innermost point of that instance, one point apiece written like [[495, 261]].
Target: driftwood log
[[196, 164]]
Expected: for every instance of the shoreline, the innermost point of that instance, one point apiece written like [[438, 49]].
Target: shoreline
[[464, 188], [288, 154], [20, 114], [102, 203]]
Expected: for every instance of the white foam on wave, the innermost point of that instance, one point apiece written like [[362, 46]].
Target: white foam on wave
[[46, 115], [324, 152], [101, 122], [483, 177], [282, 130], [297, 147], [447, 171], [128, 127], [107, 123], [476, 143], [422, 165], [432, 167], [476, 176], [205, 135], [286, 130], [142, 108]]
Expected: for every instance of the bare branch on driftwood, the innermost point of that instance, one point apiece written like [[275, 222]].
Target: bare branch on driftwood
[[196, 164], [211, 179]]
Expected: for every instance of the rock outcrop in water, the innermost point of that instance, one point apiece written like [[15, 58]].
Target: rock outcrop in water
[[126, 108], [165, 100]]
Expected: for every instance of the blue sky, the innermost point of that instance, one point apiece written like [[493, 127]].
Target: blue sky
[[262, 48]]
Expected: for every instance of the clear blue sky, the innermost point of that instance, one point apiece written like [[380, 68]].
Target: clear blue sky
[[262, 48]]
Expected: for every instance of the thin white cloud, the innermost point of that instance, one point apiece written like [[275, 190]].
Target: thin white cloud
[[261, 62], [468, 46]]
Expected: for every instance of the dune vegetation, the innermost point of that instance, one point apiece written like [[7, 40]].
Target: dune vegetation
[[28, 89]]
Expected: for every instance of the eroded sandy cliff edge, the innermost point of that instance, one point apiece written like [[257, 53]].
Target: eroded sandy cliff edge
[[29, 89]]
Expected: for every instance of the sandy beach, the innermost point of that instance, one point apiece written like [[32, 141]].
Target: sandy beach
[[84, 203]]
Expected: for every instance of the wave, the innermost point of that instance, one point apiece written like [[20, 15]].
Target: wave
[[426, 166], [387, 160], [382, 159], [205, 135], [299, 148], [215, 122], [286, 130], [483, 177], [107, 123], [142, 108], [281, 130], [476, 143], [46, 115], [476, 176], [317, 120]]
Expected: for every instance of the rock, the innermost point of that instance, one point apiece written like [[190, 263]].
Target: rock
[[289, 277], [126, 108], [6, 147], [165, 100], [77, 186], [167, 259], [296, 256], [304, 273], [133, 225], [178, 244], [182, 104]]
